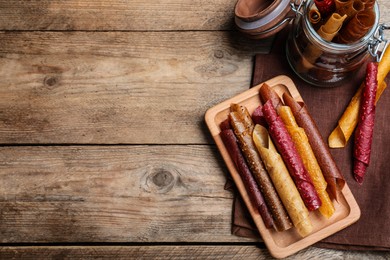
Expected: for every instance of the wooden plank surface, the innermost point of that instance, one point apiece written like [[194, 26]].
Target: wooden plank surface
[[112, 87], [124, 15], [136, 15], [120, 72], [175, 252], [113, 194]]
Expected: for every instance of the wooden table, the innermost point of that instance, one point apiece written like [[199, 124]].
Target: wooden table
[[104, 149]]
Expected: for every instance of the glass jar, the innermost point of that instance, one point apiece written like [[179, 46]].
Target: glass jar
[[323, 63]]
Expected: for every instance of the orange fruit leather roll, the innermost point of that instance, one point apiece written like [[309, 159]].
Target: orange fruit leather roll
[[243, 131], [302, 144], [282, 181], [348, 121]]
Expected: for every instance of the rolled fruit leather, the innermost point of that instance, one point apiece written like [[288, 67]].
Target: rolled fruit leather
[[365, 127], [282, 181], [351, 8], [241, 130], [325, 7], [230, 141], [357, 27], [291, 158], [327, 31], [314, 16], [342, 3], [310, 162], [348, 121], [267, 93], [328, 166]]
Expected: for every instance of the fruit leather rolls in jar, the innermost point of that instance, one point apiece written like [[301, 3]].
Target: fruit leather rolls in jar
[[282, 181], [243, 130], [304, 149], [290, 156]]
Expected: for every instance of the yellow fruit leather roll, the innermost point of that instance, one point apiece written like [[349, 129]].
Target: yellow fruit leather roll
[[282, 181], [348, 121], [302, 144]]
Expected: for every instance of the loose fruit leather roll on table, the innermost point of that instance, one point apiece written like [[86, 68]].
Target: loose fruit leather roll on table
[[326, 106]]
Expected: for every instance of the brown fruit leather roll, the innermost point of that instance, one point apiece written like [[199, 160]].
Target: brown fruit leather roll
[[244, 114], [291, 158], [267, 93], [357, 27], [230, 141], [328, 166], [281, 220], [365, 127]]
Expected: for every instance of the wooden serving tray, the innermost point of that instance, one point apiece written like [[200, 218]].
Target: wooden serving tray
[[281, 244]]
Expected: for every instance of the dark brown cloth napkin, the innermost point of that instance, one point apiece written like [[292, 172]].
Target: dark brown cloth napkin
[[326, 105]]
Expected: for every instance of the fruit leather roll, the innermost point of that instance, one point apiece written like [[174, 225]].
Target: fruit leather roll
[[256, 198], [244, 114], [282, 181], [368, 4], [302, 144], [351, 8], [357, 27], [267, 93], [291, 158], [327, 31], [365, 127], [348, 121], [328, 166], [245, 141], [325, 7]]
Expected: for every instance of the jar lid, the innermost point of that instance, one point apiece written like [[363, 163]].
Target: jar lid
[[263, 18]]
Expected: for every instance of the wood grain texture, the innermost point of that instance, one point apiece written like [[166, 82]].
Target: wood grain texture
[[136, 15], [176, 252], [130, 15], [113, 194], [117, 87], [120, 72]]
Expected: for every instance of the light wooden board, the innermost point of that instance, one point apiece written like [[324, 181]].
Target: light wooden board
[[280, 244]]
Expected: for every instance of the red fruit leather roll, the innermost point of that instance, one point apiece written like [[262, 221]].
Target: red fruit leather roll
[[279, 214], [291, 158], [325, 7], [230, 141], [365, 127], [258, 116], [328, 166]]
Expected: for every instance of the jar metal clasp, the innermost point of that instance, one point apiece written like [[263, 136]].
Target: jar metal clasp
[[378, 43], [296, 6]]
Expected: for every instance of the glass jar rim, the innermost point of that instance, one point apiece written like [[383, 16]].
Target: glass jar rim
[[340, 47]]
